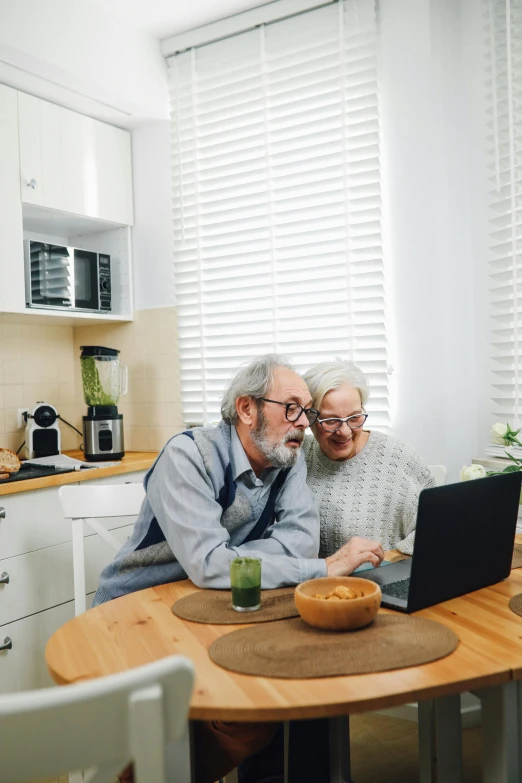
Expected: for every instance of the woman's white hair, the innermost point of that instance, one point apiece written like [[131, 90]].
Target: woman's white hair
[[254, 380], [325, 376]]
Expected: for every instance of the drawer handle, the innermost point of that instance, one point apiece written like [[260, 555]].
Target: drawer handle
[[7, 645], [2, 512], [4, 578], [32, 184]]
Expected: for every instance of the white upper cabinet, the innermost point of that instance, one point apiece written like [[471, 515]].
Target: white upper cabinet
[[11, 242], [72, 163]]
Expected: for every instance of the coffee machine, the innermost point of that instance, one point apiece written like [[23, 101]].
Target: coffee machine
[[42, 432], [104, 380]]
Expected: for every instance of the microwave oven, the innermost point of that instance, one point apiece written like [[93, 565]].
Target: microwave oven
[[59, 277]]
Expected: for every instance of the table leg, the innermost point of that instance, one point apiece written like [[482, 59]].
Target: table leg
[[448, 735], [340, 750], [286, 749], [426, 736], [440, 740], [500, 733]]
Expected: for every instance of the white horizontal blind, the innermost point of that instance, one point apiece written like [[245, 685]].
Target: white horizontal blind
[[504, 134], [277, 202]]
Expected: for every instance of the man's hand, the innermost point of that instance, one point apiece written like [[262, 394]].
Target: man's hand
[[353, 554]]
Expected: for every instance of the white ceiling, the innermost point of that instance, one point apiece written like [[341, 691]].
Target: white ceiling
[[163, 18]]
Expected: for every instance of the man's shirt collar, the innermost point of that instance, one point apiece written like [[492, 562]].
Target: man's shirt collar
[[239, 460]]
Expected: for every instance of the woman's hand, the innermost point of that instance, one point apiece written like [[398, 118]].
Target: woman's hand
[[353, 554]]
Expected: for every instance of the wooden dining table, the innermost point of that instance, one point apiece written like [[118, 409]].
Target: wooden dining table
[[140, 627]]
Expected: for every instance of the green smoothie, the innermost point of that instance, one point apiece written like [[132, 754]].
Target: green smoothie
[[245, 581]]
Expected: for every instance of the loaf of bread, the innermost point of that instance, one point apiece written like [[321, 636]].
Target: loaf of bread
[[4, 476], [9, 462]]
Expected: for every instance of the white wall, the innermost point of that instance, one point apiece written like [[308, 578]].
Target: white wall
[[152, 233], [66, 50], [427, 191]]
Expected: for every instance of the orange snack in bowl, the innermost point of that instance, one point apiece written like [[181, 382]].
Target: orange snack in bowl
[[340, 593]]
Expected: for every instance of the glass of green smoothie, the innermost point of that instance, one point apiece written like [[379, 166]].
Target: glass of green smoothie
[[245, 580]]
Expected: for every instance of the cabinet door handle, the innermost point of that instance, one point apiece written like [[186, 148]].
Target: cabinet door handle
[[4, 578], [2, 512], [7, 645], [32, 184]]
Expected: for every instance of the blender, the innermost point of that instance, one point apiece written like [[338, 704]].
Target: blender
[[104, 381]]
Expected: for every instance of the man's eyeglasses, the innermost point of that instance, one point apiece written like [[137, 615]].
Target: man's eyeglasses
[[354, 422], [293, 411]]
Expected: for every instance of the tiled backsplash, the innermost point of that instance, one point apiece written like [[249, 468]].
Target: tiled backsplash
[[36, 363], [39, 362]]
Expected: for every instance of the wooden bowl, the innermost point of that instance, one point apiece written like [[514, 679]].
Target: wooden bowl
[[332, 615]]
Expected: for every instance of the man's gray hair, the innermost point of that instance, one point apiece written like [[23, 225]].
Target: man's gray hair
[[254, 380], [325, 376]]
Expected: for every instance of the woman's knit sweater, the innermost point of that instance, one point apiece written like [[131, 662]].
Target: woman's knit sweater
[[374, 494]]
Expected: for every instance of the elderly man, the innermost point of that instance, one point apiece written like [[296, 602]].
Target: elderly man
[[237, 489]]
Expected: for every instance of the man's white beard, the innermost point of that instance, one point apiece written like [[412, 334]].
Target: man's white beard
[[279, 455]]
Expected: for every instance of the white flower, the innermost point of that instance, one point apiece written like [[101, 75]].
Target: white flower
[[498, 433], [472, 472]]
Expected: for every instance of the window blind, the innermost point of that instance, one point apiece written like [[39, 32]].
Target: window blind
[[504, 136], [277, 202]]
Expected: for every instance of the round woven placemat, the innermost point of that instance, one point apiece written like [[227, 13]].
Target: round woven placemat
[[517, 556], [293, 649], [515, 604], [215, 606]]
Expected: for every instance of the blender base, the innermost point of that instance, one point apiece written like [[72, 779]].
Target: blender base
[[104, 457], [103, 434]]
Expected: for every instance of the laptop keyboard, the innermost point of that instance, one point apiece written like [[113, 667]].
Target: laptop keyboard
[[399, 589]]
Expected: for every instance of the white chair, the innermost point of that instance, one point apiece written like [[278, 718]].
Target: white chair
[[138, 715], [439, 473], [88, 504]]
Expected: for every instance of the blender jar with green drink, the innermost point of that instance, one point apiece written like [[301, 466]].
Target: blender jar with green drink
[[104, 380]]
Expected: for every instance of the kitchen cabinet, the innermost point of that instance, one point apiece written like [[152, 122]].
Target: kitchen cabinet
[[11, 233], [65, 179], [36, 554], [72, 163]]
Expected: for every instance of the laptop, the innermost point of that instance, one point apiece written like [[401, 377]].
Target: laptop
[[464, 541]]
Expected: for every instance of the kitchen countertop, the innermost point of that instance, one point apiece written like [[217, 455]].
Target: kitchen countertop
[[131, 462]]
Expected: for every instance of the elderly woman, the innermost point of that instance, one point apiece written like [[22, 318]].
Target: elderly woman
[[366, 483]]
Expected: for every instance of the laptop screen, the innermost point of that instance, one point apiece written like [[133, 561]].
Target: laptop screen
[[464, 538]]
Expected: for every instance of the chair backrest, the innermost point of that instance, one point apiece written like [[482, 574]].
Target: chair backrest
[[114, 500], [439, 473], [90, 503], [106, 722]]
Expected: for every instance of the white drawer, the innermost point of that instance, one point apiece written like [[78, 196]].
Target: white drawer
[[23, 667], [43, 579], [33, 520], [123, 478]]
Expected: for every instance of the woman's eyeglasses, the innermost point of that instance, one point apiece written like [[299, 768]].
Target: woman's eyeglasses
[[354, 422]]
